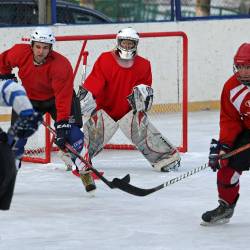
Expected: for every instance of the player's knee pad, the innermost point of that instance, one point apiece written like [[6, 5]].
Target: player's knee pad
[[76, 138], [7, 175], [228, 184], [227, 177], [241, 161]]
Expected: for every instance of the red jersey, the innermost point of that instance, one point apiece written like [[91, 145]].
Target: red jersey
[[110, 83], [53, 79], [235, 110]]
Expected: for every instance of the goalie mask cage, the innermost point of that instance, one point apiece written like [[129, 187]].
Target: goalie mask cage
[[168, 54]]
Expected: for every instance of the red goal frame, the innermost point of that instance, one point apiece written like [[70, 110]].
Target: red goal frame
[[48, 147]]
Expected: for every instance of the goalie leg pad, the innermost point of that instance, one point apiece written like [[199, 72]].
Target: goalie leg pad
[[98, 130], [161, 154]]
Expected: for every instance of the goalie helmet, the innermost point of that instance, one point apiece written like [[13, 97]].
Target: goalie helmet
[[127, 34], [241, 66], [43, 35]]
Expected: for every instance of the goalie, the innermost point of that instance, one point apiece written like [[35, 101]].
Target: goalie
[[118, 93]]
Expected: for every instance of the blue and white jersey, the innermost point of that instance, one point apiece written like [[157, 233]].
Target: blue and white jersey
[[14, 95]]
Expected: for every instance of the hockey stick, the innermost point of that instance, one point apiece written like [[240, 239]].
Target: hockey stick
[[143, 192], [123, 184], [125, 179], [234, 152]]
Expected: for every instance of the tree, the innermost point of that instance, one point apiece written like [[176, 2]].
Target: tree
[[202, 7]]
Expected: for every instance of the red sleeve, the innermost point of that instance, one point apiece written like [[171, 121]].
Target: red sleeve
[[7, 60], [62, 84], [230, 119], [95, 82]]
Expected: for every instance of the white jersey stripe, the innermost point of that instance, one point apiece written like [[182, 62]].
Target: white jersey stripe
[[13, 94], [238, 101], [236, 90]]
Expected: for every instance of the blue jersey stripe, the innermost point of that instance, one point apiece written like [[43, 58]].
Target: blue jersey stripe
[[15, 94]]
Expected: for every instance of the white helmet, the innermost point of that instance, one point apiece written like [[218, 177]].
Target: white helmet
[[43, 35], [127, 34]]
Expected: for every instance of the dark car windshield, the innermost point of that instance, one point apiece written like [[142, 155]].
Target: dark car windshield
[[26, 13]]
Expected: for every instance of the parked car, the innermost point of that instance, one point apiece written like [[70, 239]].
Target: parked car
[[25, 12]]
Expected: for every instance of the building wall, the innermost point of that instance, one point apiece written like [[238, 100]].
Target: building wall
[[212, 45]]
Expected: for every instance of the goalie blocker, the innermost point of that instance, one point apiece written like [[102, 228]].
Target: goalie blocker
[[100, 128]]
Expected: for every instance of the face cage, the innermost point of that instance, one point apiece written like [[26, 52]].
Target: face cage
[[245, 80], [126, 54]]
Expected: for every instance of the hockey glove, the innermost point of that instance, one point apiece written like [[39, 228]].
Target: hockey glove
[[62, 133], [25, 126], [87, 101], [3, 136], [8, 76], [141, 98], [216, 149]]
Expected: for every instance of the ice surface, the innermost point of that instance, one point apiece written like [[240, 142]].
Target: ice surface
[[51, 211]]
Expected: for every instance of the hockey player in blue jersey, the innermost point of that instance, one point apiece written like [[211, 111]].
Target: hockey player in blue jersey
[[13, 95]]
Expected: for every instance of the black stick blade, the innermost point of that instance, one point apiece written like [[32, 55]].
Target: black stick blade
[[126, 178], [128, 188]]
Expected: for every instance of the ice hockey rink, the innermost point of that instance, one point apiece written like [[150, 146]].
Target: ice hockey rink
[[51, 210]]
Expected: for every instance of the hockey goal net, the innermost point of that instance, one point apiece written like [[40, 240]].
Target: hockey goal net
[[168, 54]]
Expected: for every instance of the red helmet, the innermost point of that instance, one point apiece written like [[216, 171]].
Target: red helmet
[[242, 64]]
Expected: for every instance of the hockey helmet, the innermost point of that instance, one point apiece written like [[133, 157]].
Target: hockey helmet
[[242, 64], [43, 35], [127, 34]]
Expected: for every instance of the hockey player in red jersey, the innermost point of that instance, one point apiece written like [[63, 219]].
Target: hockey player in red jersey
[[47, 77], [118, 93], [234, 132]]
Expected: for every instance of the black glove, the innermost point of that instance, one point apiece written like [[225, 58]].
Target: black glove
[[3, 136], [62, 133], [215, 148], [8, 76], [25, 126]]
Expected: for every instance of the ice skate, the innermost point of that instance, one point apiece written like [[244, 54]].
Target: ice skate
[[219, 215], [173, 166], [169, 164]]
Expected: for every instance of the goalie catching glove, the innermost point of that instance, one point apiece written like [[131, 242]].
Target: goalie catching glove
[[87, 101], [141, 98]]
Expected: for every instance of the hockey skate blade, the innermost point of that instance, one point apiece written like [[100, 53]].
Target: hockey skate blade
[[216, 223]]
